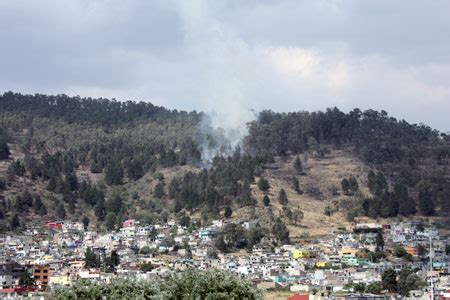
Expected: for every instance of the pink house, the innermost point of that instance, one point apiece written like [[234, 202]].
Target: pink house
[[128, 223], [54, 225]]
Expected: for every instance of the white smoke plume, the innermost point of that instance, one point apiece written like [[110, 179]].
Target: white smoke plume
[[224, 58]]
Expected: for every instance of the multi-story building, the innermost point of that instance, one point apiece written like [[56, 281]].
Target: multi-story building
[[41, 275]]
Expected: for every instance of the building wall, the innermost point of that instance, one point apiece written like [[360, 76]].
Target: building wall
[[41, 275]]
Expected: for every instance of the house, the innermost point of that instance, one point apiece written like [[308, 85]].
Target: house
[[16, 292], [299, 297], [9, 274], [41, 275], [128, 223], [60, 280], [348, 252], [298, 254], [206, 233], [411, 250], [55, 225]]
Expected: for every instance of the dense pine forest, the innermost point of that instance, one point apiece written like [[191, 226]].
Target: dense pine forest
[[70, 157]]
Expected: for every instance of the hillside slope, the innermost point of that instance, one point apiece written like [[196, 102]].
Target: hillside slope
[[72, 158]]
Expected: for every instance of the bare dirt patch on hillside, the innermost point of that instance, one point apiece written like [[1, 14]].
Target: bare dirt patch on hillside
[[321, 185]]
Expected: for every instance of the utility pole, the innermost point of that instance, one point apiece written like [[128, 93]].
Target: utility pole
[[431, 268]]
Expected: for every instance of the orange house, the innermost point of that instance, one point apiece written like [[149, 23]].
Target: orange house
[[412, 250], [41, 275], [348, 252]]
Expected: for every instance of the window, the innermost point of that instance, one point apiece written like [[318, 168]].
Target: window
[[45, 271]]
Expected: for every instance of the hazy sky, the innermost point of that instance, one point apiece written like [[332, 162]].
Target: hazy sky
[[233, 56]]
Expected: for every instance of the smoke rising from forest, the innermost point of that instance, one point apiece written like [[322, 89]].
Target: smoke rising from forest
[[228, 105]]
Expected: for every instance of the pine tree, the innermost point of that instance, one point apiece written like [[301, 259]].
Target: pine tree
[[282, 197], [266, 200], [406, 205], [99, 209], [27, 199], [4, 149], [280, 231], [158, 192], [135, 170], [14, 223], [51, 185], [114, 174], [110, 221], [38, 206], [298, 166], [85, 221], [91, 260], [353, 184], [426, 203], [389, 280], [379, 240], [345, 186], [61, 211], [263, 184], [296, 185], [115, 204], [2, 184], [228, 212], [71, 182]]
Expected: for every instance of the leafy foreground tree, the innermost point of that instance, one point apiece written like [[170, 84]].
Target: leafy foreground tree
[[187, 285]]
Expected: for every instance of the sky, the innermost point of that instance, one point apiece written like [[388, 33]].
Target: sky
[[235, 57]]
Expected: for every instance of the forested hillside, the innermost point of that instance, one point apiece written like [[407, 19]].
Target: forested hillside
[[409, 161], [104, 161]]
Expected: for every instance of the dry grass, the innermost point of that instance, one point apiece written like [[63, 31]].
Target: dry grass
[[320, 174]]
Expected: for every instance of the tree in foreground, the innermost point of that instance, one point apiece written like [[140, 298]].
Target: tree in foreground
[[389, 280], [25, 279], [190, 284]]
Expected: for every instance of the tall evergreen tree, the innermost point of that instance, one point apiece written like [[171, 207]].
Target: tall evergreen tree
[[99, 209], [61, 211], [4, 149], [379, 241], [263, 184], [406, 205], [158, 192], [114, 173], [280, 231], [85, 221], [296, 185], [14, 222], [298, 166], [282, 197], [91, 260], [426, 201]]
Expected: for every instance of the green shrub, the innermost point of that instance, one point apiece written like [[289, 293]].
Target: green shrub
[[190, 284]]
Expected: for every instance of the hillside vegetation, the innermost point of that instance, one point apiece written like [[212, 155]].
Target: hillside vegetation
[[104, 161]]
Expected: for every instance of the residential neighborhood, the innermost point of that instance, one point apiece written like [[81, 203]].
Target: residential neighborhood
[[353, 262]]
